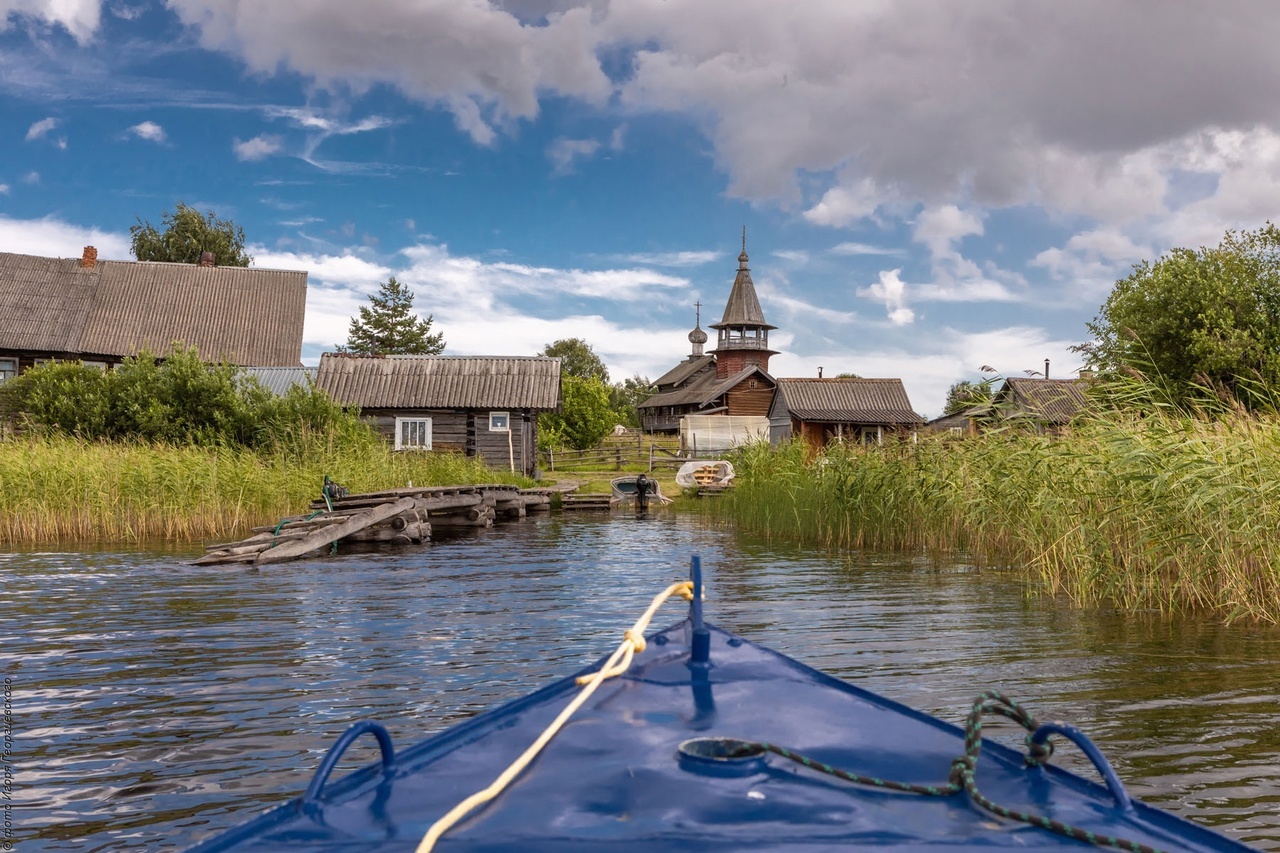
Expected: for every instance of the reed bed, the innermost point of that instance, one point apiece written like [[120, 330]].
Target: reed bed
[[1156, 511], [64, 490]]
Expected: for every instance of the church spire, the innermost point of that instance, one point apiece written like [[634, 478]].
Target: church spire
[[743, 333]]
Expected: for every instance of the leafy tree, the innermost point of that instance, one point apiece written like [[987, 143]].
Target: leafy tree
[[626, 395], [388, 326], [1197, 320], [66, 396], [187, 234], [577, 359], [965, 395], [585, 417]]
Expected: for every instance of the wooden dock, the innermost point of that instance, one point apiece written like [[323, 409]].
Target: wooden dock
[[396, 516]]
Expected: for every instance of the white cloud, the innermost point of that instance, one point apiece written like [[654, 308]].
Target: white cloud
[[941, 227], [32, 177], [79, 17], [4, 189], [257, 148], [843, 205], [674, 259], [149, 131], [891, 290], [476, 60], [41, 128], [564, 152], [852, 248], [52, 238]]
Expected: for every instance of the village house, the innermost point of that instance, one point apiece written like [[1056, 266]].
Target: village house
[[484, 406], [101, 312], [731, 380], [822, 411], [1047, 404]]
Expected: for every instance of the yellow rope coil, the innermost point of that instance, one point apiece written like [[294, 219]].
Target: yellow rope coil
[[617, 664]]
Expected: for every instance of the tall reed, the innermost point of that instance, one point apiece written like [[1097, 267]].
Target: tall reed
[[58, 489], [1161, 510]]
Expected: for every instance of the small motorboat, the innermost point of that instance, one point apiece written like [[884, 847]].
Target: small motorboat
[[703, 475], [695, 739], [626, 489]]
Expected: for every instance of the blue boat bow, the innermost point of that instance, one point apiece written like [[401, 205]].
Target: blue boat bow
[[709, 741]]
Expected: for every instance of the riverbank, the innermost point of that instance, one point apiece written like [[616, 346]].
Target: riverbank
[[63, 490], [1157, 512]]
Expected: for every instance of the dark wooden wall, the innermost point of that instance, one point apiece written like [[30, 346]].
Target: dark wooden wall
[[467, 431]]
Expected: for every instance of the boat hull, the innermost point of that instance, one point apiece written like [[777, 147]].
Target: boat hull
[[614, 778]]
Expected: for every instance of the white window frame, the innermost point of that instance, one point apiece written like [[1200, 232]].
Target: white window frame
[[504, 418], [8, 368], [871, 435], [424, 423]]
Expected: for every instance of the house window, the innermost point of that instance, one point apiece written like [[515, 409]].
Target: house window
[[8, 368], [499, 422], [413, 433], [871, 435]]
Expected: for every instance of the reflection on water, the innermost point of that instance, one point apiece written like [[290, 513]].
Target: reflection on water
[[157, 703]]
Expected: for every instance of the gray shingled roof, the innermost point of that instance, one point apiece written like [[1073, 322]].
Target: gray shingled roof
[[441, 382], [1053, 401], [703, 390], [743, 307], [248, 316], [684, 370], [861, 401]]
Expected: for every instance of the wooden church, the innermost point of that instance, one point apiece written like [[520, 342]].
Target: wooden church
[[732, 379]]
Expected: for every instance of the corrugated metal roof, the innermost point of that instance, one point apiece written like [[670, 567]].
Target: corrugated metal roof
[[278, 380], [247, 316], [863, 401], [1054, 401], [441, 382]]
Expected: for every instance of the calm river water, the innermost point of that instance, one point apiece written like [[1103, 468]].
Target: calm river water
[[156, 703]]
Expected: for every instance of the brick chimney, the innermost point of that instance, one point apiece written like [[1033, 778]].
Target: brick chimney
[[89, 259], [208, 259]]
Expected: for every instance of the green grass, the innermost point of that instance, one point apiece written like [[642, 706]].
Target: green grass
[[56, 489], [1168, 511]]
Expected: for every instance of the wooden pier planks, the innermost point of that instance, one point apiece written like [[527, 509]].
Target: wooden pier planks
[[323, 536]]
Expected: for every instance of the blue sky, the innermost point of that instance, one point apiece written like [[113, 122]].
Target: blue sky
[[928, 186]]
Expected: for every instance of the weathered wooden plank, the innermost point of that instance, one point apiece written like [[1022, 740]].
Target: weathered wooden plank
[[326, 535]]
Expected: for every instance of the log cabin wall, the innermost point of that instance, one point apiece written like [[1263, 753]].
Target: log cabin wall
[[745, 400], [467, 431]]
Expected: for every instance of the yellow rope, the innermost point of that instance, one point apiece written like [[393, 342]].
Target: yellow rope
[[615, 665]]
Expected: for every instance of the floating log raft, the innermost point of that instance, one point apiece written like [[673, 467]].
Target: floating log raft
[[395, 516]]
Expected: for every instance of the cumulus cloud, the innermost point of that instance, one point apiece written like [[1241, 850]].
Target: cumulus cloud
[[258, 148], [80, 18], [53, 238], [149, 131], [477, 60], [891, 290], [4, 189], [41, 128]]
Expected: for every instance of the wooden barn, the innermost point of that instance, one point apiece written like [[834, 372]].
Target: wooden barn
[[821, 411], [731, 380], [1048, 404], [101, 312], [485, 406]]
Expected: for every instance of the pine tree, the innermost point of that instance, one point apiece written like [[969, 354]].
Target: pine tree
[[388, 326]]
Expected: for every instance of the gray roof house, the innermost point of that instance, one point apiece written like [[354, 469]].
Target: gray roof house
[[820, 411], [484, 406], [1048, 403], [104, 311]]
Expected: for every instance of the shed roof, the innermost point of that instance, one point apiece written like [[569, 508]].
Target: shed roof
[[278, 380], [862, 401], [440, 381], [245, 315], [685, 369], [703, 390], [1053, 401]]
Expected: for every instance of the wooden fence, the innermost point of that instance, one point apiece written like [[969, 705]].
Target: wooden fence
[[617, 455]]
